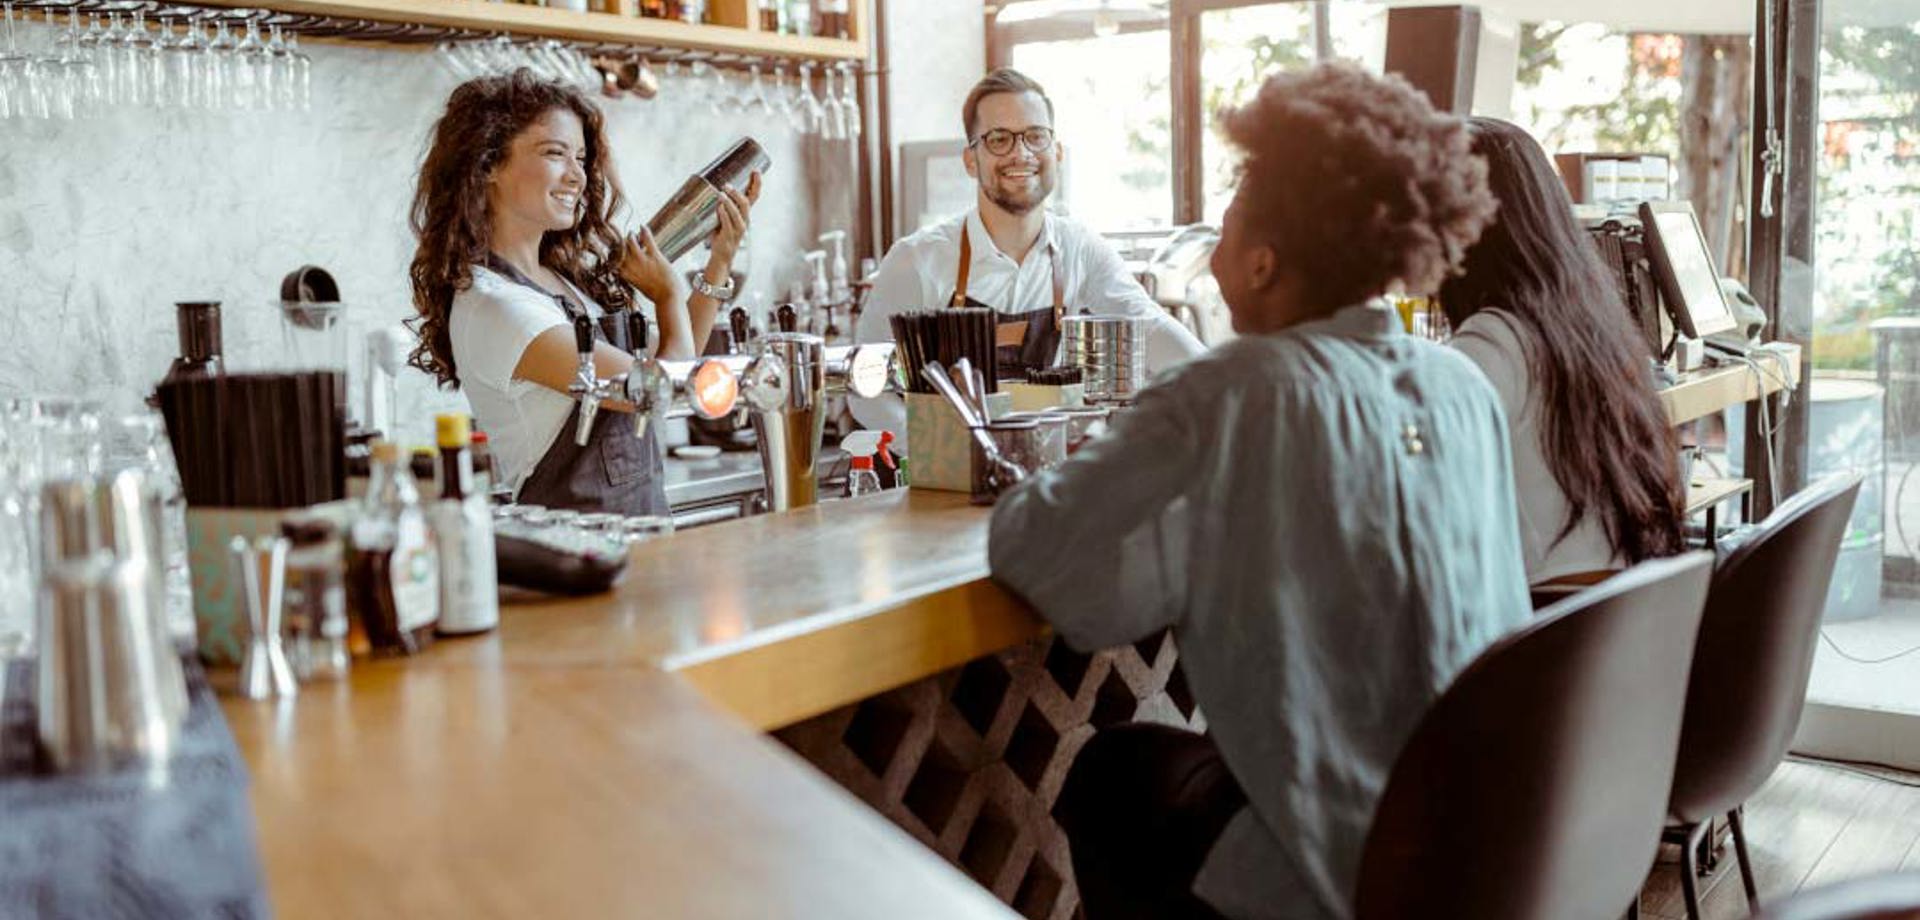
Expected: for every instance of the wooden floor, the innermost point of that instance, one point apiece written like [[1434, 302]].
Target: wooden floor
[[1810, 825]]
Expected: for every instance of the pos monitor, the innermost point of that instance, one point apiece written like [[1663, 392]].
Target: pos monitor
[[1689, 283]]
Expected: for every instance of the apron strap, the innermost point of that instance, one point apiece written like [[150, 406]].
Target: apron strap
[[506, 269], [959, 298], [1059, 284]]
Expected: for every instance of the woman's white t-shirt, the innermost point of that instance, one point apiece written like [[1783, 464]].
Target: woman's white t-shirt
[[491, 323], [1492, 339]]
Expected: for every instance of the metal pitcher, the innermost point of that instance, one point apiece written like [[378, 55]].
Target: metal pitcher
[[110, 691]]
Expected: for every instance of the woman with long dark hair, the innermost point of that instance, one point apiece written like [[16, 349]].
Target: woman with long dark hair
[[514, 214], [1594, 458]]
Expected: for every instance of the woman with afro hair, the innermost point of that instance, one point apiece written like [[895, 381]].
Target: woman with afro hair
[[1322, 511]]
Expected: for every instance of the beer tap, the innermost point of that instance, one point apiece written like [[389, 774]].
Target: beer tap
[[737, 324], [706, 388], [587, 386]]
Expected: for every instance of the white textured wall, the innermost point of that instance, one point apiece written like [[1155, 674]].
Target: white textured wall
[[105, 223], [937, 51]]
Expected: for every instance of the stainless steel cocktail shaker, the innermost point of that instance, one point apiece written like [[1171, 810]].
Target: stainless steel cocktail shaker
[[691, 215]]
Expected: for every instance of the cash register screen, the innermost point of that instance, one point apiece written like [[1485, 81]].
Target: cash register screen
[[1687, 276]]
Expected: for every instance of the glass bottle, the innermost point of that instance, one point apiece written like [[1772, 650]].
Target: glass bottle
[[832, 19], [463, 526], [316, 620], [770, 18], [393, 568]]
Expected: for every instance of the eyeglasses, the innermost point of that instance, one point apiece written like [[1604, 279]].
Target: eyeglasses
[[999, 141]]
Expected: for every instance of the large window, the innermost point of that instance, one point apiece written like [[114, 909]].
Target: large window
[[1112, 86], [1588, 88], [1245, 45], [1864, 414], [1114, 117]]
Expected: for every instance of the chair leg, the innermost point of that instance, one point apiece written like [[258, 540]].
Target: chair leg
[[1737, 820], [1690, 868]]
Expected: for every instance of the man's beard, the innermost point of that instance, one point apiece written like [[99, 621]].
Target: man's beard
[[1019, 204]]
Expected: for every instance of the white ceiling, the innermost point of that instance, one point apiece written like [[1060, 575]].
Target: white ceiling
[[1715, 16]]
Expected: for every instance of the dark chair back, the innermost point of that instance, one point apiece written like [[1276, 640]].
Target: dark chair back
[[1537, 784], [1877, 897], [1755, 652]]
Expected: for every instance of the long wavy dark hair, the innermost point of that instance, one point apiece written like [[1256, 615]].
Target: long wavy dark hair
[[450, 217], [1602, 429]]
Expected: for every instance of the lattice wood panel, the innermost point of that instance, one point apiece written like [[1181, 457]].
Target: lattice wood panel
[[970, 762]]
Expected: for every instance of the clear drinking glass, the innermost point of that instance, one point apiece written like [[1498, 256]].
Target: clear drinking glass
[[215, 61], [302, 74]]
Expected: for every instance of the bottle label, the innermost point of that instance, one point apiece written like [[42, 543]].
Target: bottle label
[[469, 586], [416, 576]]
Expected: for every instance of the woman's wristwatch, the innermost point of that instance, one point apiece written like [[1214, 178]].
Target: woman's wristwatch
[[722, 293]]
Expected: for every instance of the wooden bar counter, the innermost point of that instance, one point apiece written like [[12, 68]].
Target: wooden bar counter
[[599, 756], [604, 756]]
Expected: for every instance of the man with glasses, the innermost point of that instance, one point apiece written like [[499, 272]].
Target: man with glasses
[[1008, 254]]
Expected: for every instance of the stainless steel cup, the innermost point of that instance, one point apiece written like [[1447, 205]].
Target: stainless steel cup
[[110, 687], [692, 214], [1020, 442], [1111, 352], [1050, 442]]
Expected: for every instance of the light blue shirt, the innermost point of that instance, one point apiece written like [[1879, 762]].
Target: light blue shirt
[[1325, 517]]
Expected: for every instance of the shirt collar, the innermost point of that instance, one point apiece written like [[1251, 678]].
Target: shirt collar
[[1369, 319], [983, 245]]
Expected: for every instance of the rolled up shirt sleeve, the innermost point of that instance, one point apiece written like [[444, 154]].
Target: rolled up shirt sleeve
[[1110, 288]]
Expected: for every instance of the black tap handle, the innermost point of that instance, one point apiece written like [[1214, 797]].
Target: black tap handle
[[737, 320], [789, 320], [637, 332], [583, 334]]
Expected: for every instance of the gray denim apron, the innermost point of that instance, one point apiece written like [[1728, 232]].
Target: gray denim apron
[[1023, 341], [614, 471]]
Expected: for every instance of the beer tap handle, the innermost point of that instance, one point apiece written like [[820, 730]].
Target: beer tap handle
[[637, 333], [737, 321], [583, 334]]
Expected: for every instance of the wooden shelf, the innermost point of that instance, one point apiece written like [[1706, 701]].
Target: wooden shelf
[[1705, 392], [484, 17], [1704, 493]]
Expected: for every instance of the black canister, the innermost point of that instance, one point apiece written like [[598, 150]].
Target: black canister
[[200, 345]]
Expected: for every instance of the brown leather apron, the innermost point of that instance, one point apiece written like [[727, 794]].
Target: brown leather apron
[[1024, 341]]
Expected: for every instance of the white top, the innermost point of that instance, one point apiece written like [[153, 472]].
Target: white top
[[1493, 340], [918, 274], [492, 323]]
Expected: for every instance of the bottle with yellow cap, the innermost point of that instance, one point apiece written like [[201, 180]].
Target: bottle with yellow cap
[[392, 565], [463, 524]]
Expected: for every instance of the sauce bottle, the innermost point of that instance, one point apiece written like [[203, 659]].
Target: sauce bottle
[[393, 570]]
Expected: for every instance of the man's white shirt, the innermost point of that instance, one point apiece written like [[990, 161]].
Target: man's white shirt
[[918, 273]]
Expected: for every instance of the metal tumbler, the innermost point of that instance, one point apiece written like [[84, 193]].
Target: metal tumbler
[[1111, 352], [110, 688], [692, 214]]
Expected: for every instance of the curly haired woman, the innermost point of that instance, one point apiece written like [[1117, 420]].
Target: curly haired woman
[[1322, 511], [514, 213]]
